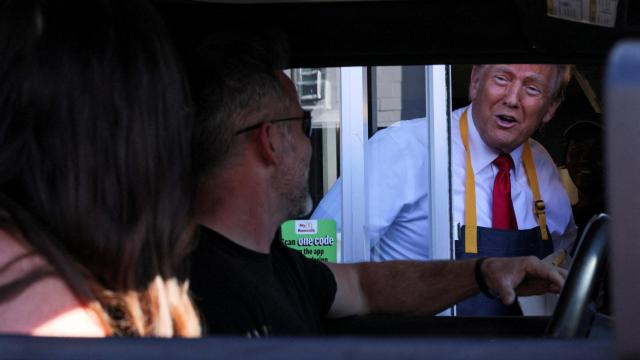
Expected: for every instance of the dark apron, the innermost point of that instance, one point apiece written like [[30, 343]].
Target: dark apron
[[476, 241], [499, 243]]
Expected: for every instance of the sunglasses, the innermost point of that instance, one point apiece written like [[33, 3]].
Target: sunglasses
[[305, 118]]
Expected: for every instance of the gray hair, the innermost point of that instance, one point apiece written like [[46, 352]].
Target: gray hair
[[233, 75]]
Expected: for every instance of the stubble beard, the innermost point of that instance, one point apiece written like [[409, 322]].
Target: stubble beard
[[294, 190], [300, 200]]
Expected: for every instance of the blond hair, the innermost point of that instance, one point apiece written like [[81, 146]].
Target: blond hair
[[163, 309], [561, 79]]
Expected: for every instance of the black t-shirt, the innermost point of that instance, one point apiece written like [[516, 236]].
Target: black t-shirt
[[240, 291]]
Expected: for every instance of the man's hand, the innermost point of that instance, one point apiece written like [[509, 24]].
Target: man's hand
[[522, 275]]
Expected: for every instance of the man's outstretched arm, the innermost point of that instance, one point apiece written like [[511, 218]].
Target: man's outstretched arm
[[412, 287]]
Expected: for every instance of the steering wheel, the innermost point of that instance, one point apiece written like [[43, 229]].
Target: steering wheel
[[576, 307]]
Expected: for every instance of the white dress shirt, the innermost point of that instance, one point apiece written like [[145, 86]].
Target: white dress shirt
[[398, 221]]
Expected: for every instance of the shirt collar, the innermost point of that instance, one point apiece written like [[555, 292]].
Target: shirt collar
[[483, 155]]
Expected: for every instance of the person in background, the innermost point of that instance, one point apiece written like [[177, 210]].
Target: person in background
[[252, 145], [583, 158], [95, 173]]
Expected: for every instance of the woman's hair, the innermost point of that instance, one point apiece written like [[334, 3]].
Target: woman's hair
[[95, 169]]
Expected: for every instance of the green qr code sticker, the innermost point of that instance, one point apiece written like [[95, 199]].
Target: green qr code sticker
[[315, 239]]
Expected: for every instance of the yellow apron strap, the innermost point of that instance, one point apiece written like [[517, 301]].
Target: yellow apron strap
[[470, 220], [538, 203]]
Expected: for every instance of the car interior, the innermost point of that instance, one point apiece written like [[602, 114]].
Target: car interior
[[410, 37]]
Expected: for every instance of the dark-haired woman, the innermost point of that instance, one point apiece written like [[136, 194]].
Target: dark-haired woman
[[95, 184]]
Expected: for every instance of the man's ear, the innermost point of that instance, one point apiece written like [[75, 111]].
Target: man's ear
[[551, 111], [268, 144], [474, 83]]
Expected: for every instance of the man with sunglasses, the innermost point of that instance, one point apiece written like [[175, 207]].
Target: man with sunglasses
[[305, 118], [252, 153]]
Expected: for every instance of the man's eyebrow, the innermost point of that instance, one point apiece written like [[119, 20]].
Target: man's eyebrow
[[503, 69], [537, 77], [533, 76]]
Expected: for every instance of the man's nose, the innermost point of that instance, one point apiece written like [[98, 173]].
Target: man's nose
[[511, 95]]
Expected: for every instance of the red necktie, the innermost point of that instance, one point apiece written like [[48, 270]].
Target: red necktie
[[503, 215]]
